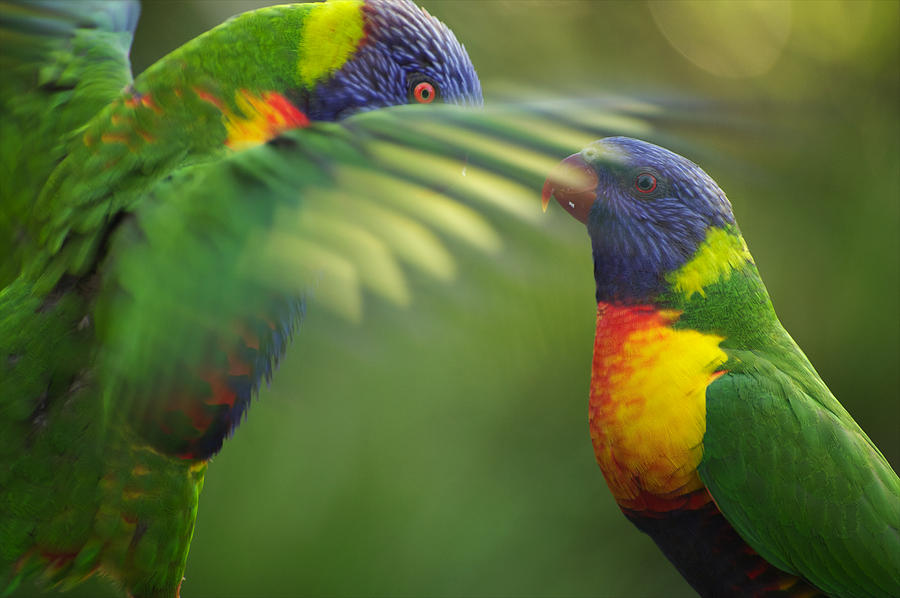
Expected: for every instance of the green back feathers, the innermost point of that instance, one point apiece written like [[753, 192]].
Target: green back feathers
[[798, 479], [155, 125], [182, 110], [60, 64]]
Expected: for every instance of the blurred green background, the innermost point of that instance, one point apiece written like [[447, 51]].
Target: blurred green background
[[443, 450]]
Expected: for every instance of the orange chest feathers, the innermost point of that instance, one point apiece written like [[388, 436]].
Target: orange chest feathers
[[648, 406]]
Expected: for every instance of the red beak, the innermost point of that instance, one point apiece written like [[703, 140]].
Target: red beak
[[574, 186]]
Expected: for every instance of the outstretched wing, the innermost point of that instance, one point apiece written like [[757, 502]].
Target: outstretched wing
[[60, 63], [204, 281], [801, 483]]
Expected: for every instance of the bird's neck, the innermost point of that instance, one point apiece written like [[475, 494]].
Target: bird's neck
[[653, 360], [238, 85], [719, 291]]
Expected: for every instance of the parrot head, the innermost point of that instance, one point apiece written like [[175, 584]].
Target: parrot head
[[647, 212], [403, 56]]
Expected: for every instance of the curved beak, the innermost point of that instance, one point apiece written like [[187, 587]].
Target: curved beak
[[574, 186]]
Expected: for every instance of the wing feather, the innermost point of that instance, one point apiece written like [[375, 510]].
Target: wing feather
[[801, 483], [60, 63]]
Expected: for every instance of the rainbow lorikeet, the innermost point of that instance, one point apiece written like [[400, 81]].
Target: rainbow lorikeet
[[142, 298], [715, 434]]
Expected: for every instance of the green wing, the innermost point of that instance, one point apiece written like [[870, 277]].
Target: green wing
[[329, 213], [799, 480], [60, 63]]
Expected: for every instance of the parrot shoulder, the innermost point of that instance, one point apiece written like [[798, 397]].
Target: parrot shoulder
[[799, 480]]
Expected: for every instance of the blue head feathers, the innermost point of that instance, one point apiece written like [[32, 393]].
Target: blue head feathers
[[404, 47], [647, 211]]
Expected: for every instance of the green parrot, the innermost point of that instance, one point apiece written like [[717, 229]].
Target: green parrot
[[145, 236], [715, 434]]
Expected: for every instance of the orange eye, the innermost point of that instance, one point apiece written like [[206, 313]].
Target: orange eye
[[424, 92]]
